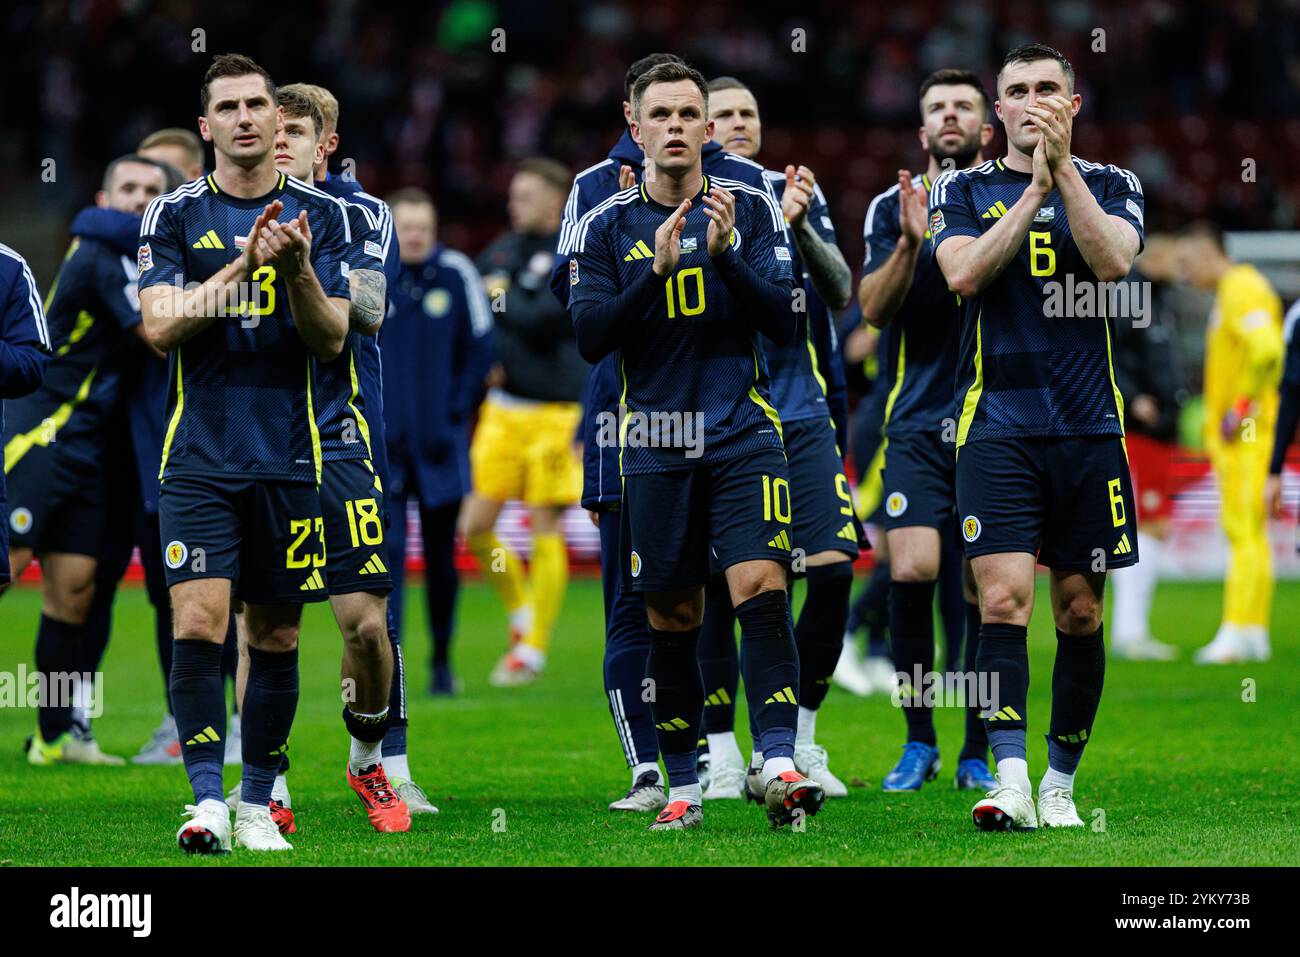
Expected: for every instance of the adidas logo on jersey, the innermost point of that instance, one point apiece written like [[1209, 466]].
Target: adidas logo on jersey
[[210, 240], [639, 251], [996, 211], [848, 532], [1123, 548], [374, 567], [782, 541], [313, 583]]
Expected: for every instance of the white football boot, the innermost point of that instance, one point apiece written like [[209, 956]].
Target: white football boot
[[1005, 808], [726, 780], [1056, 809], [208, 829], [256, 830], [811, 763]]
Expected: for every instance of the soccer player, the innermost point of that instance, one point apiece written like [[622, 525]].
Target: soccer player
[[1243, 365], [627, 638], [1040, 446], [438, 348], [179, 148], [825, 529], [686, 319], [1149, 375], [902, 288], [523, 444], [1288, 413], [247, 305], [351, 497], [24, 349], [370, 378], [56, 448]]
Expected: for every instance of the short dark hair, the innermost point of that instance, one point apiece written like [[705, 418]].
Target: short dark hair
[[643, 65], [1029, 52], [297, 105], [668, 73], [231, 64], [1205, 229], [954, 77], [728, 83], [171, 175], [411, 195], [553, 174]]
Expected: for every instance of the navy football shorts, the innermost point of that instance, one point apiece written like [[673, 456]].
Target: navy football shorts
[[356, 551], [266, 536], [1067, 500], [823, 505], [56, 503], [734, 511], [919, 479]]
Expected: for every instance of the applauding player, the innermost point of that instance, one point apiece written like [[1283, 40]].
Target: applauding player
[[246, 303], [686, 319], [1041, 469]]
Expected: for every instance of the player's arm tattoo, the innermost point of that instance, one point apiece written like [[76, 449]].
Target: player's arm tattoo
[[369, 298], [830, 274]]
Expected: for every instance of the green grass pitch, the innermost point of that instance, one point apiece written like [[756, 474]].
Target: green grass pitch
[[1181, 770]]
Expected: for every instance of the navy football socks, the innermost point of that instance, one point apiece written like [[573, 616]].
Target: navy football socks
[[200, 708], [771, 669], [270, 702]]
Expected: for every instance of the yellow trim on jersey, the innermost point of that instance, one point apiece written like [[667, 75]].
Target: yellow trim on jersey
[[72, 248], [763, 404], [311, 424], [898, 376], [212, 183], [1119, 399], [85, 321], [176, 415], [812, 358], [356, 391], [622, 406], [972, 400], [48, 430]]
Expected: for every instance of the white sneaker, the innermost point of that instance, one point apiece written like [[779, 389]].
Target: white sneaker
[[416, 800], [1224, 649], [1143, 648], [646, 794], [849, 674], [163, 746], [727, 782], [255, 829], [1056, 808], [208, 829], [279, 792], [1253, 641], [811, 763], [880, 671], [1005, 808], [77, 750]]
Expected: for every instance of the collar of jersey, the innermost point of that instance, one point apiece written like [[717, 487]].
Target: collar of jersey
[[276, 190], [695, 200], [1004, 168]]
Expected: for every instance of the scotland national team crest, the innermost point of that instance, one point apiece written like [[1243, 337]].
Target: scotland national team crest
[[20, 520], [176, 554], [437, 302], [896, 504], [636, 565], [144, 258], [971, 528], [573, 272]]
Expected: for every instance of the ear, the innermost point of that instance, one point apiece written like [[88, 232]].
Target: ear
[[708, 130], [986, 135], [319, 156], [331, 143], [635, 129], [627, 112], [920, 136], [997, 111], [204, 132], [279, 118], [1076, 102], [101, 199]]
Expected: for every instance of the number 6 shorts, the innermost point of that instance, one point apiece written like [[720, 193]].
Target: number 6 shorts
[[266, 536], [678, 525]]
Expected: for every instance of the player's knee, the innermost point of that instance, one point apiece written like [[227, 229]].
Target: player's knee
[[366, 635], [1079, 615], [1005, 603], [276, 639], [767, 576], [198, 624], [913, 568], [70, 601]]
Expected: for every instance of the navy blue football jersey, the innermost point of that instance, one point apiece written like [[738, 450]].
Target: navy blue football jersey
[[345, 410], [798, 387], [1022, 372], [920, 355], [693, 353], [92, 309], [240, 399]]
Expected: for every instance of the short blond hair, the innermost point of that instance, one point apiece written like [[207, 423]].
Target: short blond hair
[[187, 140], [323, 98]]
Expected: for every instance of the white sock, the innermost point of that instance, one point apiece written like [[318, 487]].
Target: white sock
[[521, 619], [643, 767], [690, 793], [724, 750], [363, 754], [280, 790], [774, 766], [756, 759], [1014, 773], [232, 726], [807, 729], [1056, 779], [395, 766]]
